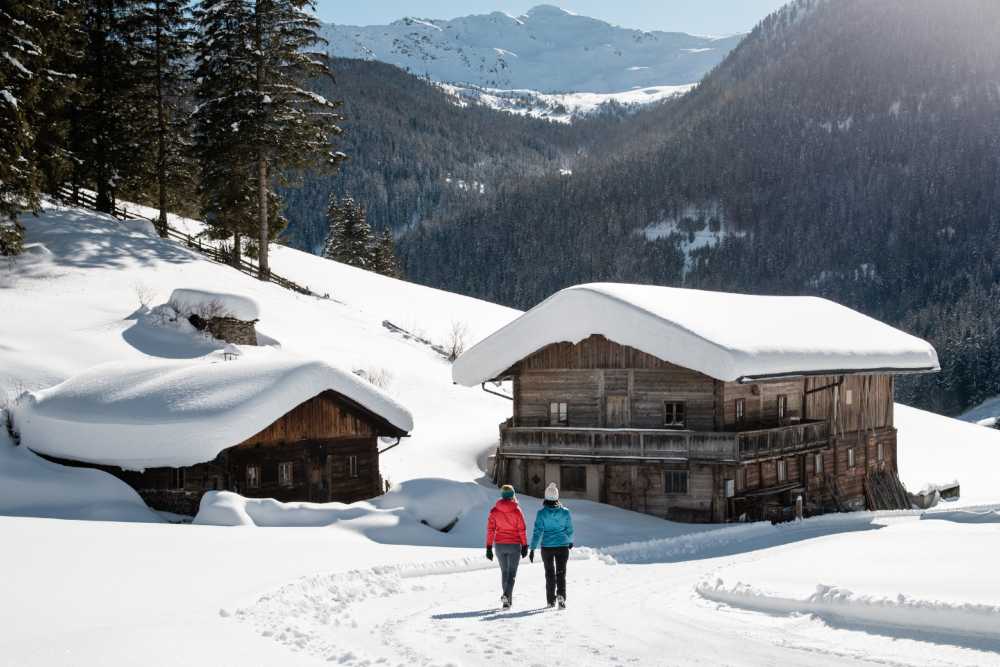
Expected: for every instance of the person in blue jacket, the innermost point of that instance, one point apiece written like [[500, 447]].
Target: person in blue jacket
[[554, 529]]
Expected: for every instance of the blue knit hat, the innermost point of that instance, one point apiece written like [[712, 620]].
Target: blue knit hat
[[506, 491]]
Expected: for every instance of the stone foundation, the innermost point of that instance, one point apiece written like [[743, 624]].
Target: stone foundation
[[228, 329]]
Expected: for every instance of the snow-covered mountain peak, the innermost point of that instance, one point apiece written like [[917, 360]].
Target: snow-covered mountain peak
[[547, 49]]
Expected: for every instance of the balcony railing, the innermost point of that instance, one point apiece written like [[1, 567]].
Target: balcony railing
[[625, 443]]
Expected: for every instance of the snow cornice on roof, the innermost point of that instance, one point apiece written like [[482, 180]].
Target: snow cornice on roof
[[729, 337]]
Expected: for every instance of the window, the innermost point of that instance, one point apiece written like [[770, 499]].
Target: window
[[782, 408], [558, 414], [178, 478], [352, 466], [730, 485], [881, 452], [253, 477], [850, 457], [573, 478], [848, 396], [782, 471], [673, 414], [285, 469], [741, 410], [675, 481], [818, 464]]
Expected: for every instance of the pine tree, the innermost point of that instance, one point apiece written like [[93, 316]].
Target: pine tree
[[159, 36], [350, 238], [384, 258], [225, 74], [289, 127]]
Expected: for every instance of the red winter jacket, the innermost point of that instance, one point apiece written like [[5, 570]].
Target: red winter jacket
[[506, 524]]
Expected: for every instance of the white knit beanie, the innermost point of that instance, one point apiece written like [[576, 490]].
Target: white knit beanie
[[552, 491]]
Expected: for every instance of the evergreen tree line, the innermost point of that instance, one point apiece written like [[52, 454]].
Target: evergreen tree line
[[848, 149], [351, 241], [166, 103]]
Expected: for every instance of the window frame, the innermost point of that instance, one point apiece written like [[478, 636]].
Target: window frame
[[286, 480], [570, 485], [676, 482], [559, 416], [670, 414], [851, 460], [781, 470], [179, 479], [880, 452], [740, 411], [353, 470], [782, 408], [252, 480], [818, 464]]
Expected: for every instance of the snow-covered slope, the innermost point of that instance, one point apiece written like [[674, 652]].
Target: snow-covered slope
[[547, 50]]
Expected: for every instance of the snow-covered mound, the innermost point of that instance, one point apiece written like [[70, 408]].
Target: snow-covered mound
[[725, 336], [879, 579], [152, 413], [547, 49], [218, 304], [31, 486]]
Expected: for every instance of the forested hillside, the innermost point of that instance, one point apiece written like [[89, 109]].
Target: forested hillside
[[849, 149], [413, 152]]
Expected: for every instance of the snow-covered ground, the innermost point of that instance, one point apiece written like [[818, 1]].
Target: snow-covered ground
[[114, 583]]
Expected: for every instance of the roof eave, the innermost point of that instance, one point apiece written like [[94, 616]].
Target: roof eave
[[747, 379]]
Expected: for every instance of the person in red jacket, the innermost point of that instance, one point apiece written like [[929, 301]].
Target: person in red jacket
[[505, 529]]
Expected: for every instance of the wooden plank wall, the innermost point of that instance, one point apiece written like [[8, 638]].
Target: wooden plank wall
[[320, 417], [870, 407], [761, 400]]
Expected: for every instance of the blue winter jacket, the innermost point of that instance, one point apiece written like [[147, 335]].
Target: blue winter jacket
[[553, 527]]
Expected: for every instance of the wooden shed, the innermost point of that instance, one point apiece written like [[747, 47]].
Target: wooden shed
[[283, 429], [699, 406]]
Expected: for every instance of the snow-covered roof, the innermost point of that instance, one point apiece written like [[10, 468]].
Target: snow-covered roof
[[219, 304], [726, 336], [146, 414]]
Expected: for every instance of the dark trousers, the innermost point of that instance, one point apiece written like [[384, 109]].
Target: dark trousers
[[554, 559], [509, 556]]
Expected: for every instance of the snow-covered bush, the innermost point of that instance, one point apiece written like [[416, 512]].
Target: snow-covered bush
[[380, 377]]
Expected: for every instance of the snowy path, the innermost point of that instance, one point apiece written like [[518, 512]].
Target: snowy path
[[617, 615]]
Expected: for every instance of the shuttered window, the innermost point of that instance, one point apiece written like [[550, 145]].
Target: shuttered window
[[253, 477], [573, 478], [558, 414], [741, 410], [285, 473], [673, 414], [782, 408], [675, 481]]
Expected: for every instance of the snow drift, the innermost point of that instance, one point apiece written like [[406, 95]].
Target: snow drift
[[152, 413], [725, 336]]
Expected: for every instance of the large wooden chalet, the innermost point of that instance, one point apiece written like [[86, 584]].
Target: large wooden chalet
[[285, 429], [699, 406]]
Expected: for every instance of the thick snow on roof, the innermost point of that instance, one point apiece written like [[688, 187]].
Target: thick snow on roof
[[146, 414], [221, 304], [724, 336]]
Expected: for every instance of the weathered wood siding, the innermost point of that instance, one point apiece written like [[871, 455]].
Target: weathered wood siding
[[599, 379], [320, 417], [761, 402], [852, 402]]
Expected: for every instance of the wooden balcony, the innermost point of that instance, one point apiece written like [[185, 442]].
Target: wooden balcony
[[657, 444]]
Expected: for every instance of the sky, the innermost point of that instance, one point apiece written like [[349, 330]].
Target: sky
[[700, 17]]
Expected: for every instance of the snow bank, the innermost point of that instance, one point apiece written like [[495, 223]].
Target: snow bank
[[942, 619], [214, 304], [725, 336], [152, 413], [32, 486]]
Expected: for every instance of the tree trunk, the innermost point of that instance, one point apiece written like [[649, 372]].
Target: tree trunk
[[237, 254], [161, 127], [264, 270]]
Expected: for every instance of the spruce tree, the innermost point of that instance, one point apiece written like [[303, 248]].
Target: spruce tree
[[350, 238], [384, 258], [159, 35], [288, 126]]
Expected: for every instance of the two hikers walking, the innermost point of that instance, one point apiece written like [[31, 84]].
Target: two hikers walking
[[553, 529]]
